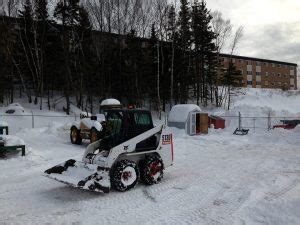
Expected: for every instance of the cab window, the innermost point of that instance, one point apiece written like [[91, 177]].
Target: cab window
[[142, 119]]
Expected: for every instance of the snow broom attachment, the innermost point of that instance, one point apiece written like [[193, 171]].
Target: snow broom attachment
[[81, 175]]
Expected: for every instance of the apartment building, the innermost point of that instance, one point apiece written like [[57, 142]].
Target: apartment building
[[264, 73]]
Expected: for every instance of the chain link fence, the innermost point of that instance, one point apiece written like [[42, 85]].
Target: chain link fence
[[256, 123], [18, 122]]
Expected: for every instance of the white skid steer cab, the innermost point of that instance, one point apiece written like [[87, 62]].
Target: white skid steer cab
[[132, 150]]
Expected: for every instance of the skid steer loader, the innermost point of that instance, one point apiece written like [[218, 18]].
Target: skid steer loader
[[132, 150]]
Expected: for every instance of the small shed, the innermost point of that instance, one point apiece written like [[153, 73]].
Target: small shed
[[217, 122], [186, 116]]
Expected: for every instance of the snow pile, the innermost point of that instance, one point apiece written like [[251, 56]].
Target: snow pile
[[180, 113], [10, 140], [76, 111], [100, 117], [110, 101], [15, 109], [262, 101], [297, 129], [3, 124], [89, 123]]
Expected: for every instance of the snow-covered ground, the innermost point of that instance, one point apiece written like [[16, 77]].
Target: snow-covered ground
[[216, 179]]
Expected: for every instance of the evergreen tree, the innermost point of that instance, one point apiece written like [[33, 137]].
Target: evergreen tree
[[67, 12], [41, 29], [153, 62], [203, 37], [183, 43], [25, 44], [232, 79], [41, 10], [87, 78], [171, 29], [7, 52]]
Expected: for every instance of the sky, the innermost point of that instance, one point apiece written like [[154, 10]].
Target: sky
[[271, 27]]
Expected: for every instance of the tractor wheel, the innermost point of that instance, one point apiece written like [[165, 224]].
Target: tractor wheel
[[94, 135], [151, 169], [125, 175], [75, 136]]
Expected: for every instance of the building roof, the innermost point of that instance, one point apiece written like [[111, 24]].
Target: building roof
[[257, 59]]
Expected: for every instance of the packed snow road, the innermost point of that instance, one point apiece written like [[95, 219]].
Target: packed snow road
[[216, 179]]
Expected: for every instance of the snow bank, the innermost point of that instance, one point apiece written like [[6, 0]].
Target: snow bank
[[3, 124], [297, 129], [110, 101], [10, 140], [76, 111], [15, 109], [180, 113], [279, 102]]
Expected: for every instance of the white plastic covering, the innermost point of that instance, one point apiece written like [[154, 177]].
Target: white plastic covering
[[180, 113], [110, 101]]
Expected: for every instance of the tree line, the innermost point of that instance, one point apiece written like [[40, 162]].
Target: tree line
[[143, 52]]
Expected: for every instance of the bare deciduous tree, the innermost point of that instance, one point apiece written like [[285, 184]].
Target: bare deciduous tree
[[223, 29]]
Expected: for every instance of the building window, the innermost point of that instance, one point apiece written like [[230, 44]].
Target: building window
[[258, 74], [267, 74], [273, 84], [249, 62], [233, 60], [279, 83], [278, 65], [266, 64], [292, 76], [249, 72], [279, 75], [285, 84], [273, 74], [242, 72], [225, 59], [249, 82], [273, 65], [241, 61], [258, 63], [291, 68], [258, 82], [266, 82], [284, 75]]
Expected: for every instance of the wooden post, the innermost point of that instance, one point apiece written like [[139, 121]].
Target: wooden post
[[32, 119], [240, 121]]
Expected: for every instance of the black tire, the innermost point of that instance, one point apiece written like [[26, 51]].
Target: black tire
[[94, 135], [151, 169], [122, 172], [75, 136]]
